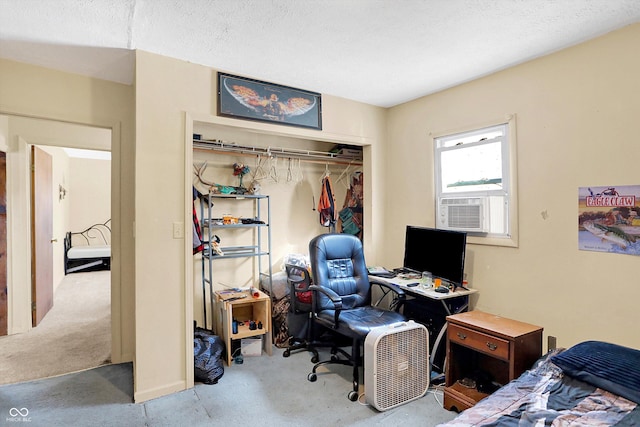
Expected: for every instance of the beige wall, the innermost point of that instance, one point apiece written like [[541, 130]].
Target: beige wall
[[577, 125], [28, 92], [163, 352], [89, 192]]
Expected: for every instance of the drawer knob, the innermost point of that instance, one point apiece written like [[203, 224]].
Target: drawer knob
[[492, 346], [461, 336]]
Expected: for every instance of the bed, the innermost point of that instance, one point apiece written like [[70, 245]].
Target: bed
[[88, 250], [591, 384]]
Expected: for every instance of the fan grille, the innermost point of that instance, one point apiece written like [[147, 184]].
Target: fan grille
[[402, 367]]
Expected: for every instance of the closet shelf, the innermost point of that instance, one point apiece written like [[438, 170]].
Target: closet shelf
[[214, 224], [237, 196], [237, 252], [219, 146], [257, 248]]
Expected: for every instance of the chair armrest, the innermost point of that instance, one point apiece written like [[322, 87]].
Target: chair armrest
[[395, 289], [336, 300], [397, 300]]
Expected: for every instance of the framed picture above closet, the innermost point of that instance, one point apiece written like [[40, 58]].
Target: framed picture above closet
[[249, 99]]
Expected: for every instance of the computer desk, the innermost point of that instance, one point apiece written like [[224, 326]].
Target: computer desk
[[419, 292]]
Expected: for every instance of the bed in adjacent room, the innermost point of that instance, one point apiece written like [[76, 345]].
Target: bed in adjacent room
[[591, 384], [88, 250]]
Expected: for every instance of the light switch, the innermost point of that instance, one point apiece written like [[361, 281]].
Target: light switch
[[178, 230]]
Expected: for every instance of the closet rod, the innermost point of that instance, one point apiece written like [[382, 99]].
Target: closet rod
[[222, 147]]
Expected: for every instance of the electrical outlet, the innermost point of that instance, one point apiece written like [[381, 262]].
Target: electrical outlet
[[551, 343], [178, 230]]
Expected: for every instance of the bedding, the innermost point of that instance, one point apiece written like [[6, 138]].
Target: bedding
[[79, 252], [88, 250], [556, 391]]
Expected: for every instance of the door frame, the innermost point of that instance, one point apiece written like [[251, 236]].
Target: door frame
[[19, 249]]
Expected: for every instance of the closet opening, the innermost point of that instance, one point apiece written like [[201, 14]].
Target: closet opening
[[287, 169]]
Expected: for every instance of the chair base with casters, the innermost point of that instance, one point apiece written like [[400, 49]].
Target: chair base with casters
[[342, 300], [299, 315], [378, 317], [309, 340], [299, 325], [353, 394]]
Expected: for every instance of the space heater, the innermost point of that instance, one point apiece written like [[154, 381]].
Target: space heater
[[396, 364]]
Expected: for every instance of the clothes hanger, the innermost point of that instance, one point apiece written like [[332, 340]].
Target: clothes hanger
[[344, 175], [326, 172], [289, 171], [258, 172], [299, 177], [273, 169]]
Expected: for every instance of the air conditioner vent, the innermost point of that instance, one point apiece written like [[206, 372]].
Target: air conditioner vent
[[466, 216], [462, 213]]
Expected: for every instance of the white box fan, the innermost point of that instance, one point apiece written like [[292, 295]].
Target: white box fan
[[396, 364]]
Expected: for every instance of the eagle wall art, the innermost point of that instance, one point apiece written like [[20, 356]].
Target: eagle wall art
[[253, 99]]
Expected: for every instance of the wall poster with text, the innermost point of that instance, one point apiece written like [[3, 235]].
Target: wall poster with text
[[609, 219]]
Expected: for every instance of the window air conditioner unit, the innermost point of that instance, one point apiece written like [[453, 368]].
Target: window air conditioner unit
[[462, 214]]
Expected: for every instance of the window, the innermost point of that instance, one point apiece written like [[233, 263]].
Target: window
[[475, 182]]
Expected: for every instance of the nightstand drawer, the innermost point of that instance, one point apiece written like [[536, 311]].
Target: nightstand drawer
[[484, 343]]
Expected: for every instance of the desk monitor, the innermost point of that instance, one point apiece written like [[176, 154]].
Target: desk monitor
[[441, 252]]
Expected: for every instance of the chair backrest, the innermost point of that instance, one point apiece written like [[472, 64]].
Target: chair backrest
[[337, 262], [299, 275], [299, 294]]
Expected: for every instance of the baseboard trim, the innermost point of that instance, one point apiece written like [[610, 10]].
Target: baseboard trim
[[123, 358], [144, 395]]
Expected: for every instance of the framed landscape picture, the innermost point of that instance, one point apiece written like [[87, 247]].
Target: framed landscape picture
[[243, 98]]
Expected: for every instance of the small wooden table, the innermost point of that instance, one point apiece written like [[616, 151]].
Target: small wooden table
[[243, 311], [482, 342]]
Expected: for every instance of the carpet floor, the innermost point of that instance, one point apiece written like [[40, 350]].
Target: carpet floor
[[263, 391], [74, 335]]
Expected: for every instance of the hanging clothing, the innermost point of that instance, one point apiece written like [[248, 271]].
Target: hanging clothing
[[351, 214], [198, 245], [327, 204]]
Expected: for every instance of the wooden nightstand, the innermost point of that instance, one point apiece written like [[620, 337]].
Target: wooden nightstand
[[243, 310], [489, 344]]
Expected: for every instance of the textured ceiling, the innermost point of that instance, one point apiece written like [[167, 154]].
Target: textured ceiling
[[381, 52]]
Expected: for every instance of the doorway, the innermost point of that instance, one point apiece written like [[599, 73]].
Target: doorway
[[67, 216]]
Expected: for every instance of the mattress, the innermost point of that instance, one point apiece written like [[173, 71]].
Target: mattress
[[83, 252]]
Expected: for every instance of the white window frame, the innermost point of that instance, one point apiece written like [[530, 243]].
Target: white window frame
[[509, 188]]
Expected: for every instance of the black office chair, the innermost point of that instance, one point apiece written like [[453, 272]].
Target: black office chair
[[342, 298], [299, 315]]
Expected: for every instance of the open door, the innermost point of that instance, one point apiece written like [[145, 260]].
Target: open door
[[41, 235]]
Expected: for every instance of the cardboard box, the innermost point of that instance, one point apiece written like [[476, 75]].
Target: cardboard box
[[350, 152], [251, 346]]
